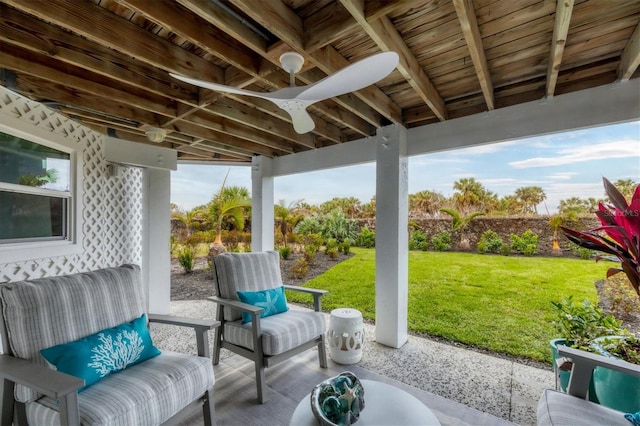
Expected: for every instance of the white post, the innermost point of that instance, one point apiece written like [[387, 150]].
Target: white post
[[262, 202], [156, 259], [392, 257]]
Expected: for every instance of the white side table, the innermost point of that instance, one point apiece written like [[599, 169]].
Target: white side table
[[345, 335]]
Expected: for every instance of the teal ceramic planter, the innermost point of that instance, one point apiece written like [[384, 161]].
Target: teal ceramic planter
[[562, 376], [614, 389]]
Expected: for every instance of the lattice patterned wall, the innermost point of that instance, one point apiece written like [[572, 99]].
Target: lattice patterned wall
[[111, 207]]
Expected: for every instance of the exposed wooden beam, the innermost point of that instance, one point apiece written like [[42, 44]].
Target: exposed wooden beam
[[221, 19], [630, 59], [272, 13], [34, 64], [564, 9], [227, 23], [97, 24], [469, 24], [170, 15], [387, 37], [327, 25]]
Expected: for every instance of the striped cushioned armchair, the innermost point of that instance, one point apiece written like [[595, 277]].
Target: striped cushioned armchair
[[266, 340], [47, 312]]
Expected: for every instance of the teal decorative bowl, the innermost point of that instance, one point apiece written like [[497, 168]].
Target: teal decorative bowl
[[338, 401]]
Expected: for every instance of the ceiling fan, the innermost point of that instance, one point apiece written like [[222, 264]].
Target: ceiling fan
[[295, 99]]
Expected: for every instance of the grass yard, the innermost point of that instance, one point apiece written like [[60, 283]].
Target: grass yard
[[500, 303]]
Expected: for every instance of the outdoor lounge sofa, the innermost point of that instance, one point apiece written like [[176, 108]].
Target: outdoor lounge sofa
[[572, 408], [70, 315]]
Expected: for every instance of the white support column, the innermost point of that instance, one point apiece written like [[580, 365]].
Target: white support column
[[262, 202], [156, 259], [392, 257]]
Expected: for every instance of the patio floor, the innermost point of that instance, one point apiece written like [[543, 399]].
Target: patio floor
[[459, 385]]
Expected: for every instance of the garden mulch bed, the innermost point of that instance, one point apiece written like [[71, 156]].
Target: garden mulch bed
[[198, 285]]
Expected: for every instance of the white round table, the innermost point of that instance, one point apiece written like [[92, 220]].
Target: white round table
[[383, 405]]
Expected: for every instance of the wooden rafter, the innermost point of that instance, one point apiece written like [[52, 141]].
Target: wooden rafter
[[630, 59], [272, 15], [387, 37], [469, 24], [564, 9]]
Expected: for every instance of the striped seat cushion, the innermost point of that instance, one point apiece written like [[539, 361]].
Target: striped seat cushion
[[144, 394], [46, 312], [280, 332], [556, 408], [235, 272]]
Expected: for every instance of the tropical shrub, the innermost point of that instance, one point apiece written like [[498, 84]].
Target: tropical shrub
[[441, 241], [490, 242], [299, 269], [336, 225], [285, 252], [619, 234], [186, 258], [331, 244], [332, 253], [309, 225], [366, 238], [310, 253], [345, 247], [526, 244], [416, 240]]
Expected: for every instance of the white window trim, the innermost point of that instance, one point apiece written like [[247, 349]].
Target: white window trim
[[25, 251]]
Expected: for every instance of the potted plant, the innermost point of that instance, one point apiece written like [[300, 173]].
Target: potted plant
[[579, 325], [618, 238]]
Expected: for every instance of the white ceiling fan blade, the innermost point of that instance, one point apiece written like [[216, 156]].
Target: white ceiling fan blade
[[302, 122], [220, 87], [352, 78]]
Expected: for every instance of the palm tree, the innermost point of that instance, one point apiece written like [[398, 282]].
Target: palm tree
[[287, 218], [461, 223], [228, 204], [426, 201], [191, 219], [530, 197]]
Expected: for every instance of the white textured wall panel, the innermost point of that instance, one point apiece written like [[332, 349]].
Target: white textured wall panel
[[111, 207]]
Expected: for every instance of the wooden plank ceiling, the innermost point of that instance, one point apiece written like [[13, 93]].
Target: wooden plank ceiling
[[106, 63]]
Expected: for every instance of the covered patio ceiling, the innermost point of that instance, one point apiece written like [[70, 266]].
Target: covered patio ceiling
[[106, 63]]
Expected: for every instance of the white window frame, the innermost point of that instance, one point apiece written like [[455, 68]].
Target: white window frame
[[31, 250]]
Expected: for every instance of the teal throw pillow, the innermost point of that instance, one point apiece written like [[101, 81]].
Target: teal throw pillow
[[94, 357], [273, 301]]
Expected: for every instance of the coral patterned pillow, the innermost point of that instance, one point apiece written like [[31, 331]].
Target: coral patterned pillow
[[273, 302], [94, 357]]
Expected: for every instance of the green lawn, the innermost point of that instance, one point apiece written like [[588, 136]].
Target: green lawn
[[499, 303]]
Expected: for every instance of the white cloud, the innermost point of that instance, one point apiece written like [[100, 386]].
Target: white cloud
[[586, 152], [562, 175]]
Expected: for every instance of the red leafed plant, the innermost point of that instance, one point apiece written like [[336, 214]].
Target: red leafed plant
[[619, 234]]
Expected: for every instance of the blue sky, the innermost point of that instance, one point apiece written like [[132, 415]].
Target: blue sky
[[563, 165]]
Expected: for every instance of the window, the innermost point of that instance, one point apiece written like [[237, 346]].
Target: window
[[35, 192]]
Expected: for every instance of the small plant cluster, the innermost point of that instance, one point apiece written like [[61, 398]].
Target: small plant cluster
[[526, 244], [490, 242], [186, 258], [627, 348], [366, 238], [439, 242], [299, 269]]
